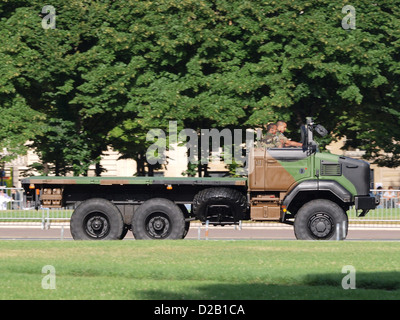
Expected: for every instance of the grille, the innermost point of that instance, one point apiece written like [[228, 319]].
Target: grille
[[331, 169]]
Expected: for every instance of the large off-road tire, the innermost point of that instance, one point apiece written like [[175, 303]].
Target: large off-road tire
[[158, 218], [318, 220], [96, 219], [219, 196]]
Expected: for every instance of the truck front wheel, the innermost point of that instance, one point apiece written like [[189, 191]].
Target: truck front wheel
[[158, 218], [320, 220], [97, 219]]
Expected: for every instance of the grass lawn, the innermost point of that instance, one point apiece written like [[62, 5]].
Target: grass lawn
[[190, 269]]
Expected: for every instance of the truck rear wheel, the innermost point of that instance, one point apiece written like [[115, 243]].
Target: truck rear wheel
[[97, 219], [318, 220], [158, 218]]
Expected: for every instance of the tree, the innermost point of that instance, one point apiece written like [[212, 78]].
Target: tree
[[18, 121], [227, 64], [112, 70], [51, 70]]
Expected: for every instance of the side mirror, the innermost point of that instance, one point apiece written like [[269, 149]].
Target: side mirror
[[321, 130], [303, 131]]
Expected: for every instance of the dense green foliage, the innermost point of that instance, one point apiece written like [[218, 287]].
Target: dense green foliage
[[111, 70]]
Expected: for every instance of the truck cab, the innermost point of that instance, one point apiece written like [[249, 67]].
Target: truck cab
[[313, 188]]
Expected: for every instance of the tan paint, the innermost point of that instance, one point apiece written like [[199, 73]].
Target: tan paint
[[267, 174]]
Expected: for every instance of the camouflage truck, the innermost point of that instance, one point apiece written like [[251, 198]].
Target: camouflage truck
[[311, 190]]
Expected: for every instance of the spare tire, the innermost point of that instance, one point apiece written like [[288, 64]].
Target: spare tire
[[213, 197]]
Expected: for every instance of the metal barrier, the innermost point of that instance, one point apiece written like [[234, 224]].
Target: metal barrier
[[14, 210], [386, 214], [59, 216], [44, 216], [24, 217]]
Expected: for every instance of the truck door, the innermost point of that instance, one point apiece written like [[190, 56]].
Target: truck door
[[286, 166]]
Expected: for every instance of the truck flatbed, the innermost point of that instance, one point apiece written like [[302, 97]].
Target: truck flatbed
[[219, 181]]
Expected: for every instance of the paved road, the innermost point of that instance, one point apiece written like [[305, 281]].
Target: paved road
[[214, 233]]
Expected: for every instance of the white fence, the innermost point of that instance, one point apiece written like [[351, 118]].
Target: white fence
[[44, 217], [386, 214], [14, 210]]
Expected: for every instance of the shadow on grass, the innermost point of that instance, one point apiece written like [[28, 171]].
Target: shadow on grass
[[387, 281], [371, 286]]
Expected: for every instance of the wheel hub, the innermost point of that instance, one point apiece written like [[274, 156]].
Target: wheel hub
[[321, 225], [158, 226], [97, 226]]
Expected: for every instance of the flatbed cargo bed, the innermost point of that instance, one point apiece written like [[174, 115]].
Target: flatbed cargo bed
[[220, 181]]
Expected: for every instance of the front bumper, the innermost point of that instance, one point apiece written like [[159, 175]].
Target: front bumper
[[366, 203]]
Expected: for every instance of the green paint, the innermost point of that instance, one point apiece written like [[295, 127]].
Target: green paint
[[342, 180], [307, 168]]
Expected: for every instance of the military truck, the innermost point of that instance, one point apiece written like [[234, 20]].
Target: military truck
[[301, 186]]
